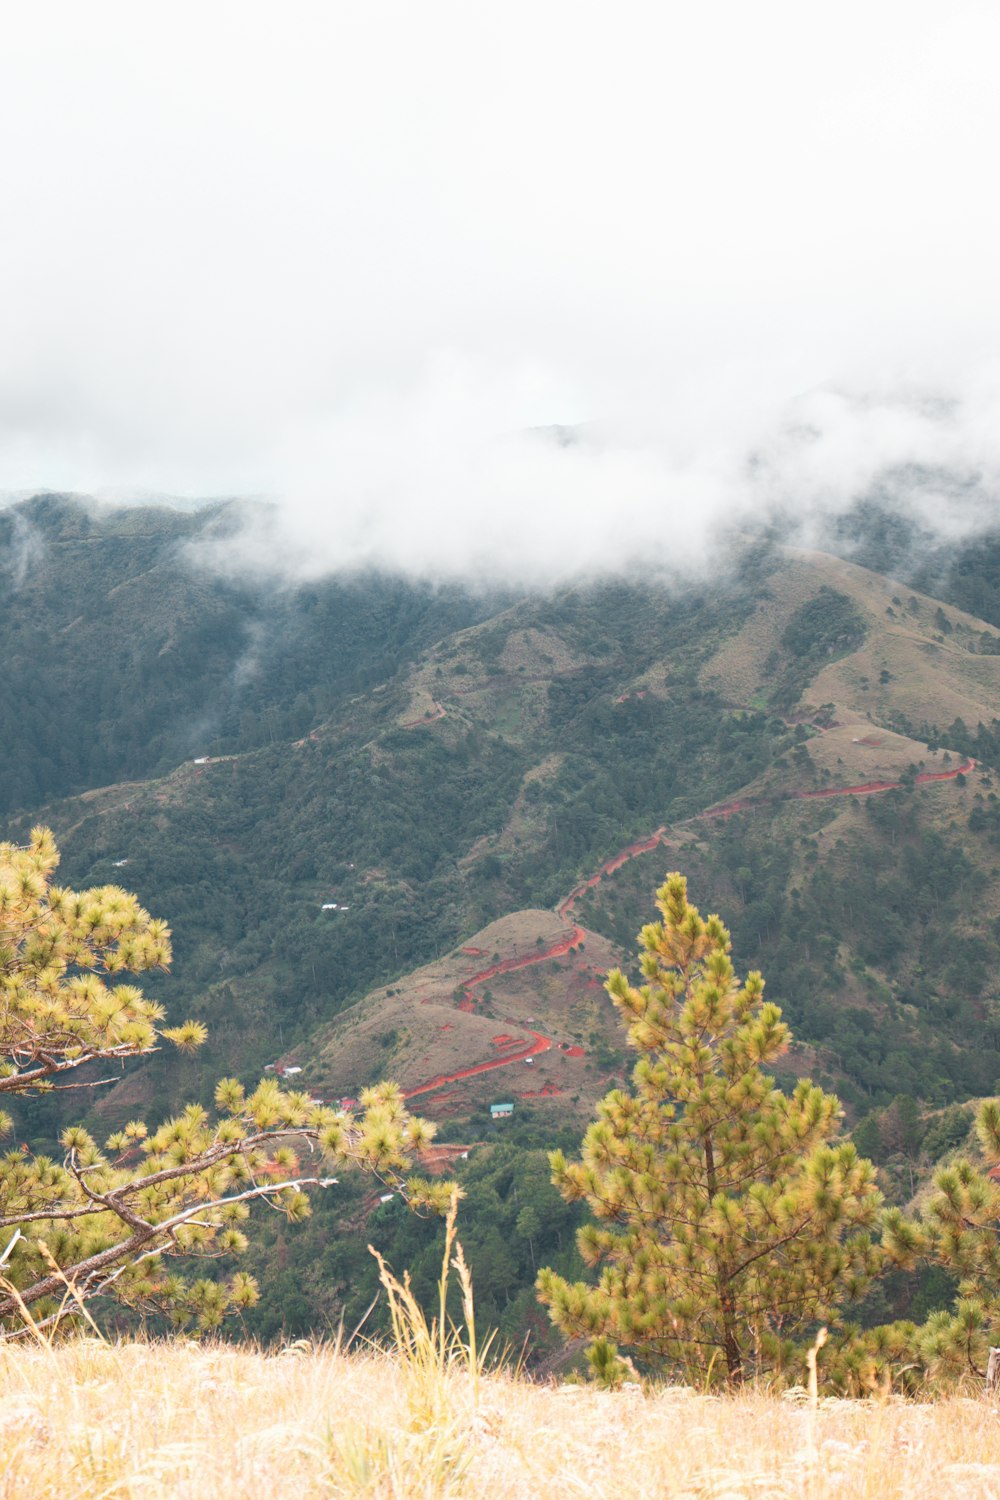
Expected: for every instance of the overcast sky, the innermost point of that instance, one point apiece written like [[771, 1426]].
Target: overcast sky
[[345, 255]]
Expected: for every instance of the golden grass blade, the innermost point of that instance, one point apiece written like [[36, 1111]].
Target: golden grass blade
[[71, 1288], [29, 1322]]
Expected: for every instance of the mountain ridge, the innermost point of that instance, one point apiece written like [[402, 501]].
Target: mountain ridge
[[410, 774], [500, 765]]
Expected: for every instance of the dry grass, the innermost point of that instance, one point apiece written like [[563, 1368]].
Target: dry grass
[[89, 1420], [92, 1420], [934, 678]]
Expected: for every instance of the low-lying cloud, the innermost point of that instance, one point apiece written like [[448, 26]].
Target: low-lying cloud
[[21, 551], [367, 263], [422, 490]]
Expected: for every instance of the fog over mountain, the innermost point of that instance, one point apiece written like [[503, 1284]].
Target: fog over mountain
[[371, 263]]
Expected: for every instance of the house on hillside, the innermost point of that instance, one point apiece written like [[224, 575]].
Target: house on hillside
[[501, 1111]]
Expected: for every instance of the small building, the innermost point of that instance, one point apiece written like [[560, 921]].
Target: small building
[[501, 1111], [386, 1197], [118, 863], [201, 760], [329, 906], [290, 1072]]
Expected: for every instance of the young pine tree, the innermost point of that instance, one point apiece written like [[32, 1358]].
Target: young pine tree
[[726, 1220]]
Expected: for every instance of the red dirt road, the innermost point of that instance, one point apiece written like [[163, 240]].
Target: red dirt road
[[529, 1049], [516, 1050], [865, 789], [508, 965], [641, 846]]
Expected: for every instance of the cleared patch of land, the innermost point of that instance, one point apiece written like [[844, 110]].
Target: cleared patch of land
[[457, 1035], [89, 1421]]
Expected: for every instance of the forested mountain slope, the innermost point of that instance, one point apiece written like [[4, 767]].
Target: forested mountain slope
[[421, 816], [123, 655], [512, 748], [403, 831]]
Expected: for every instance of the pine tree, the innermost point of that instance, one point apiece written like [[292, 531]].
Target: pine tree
[[726, 1220], [958, 1230], [103, 1219]]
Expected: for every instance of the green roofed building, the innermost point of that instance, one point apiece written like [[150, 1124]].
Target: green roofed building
[[501, 1111]]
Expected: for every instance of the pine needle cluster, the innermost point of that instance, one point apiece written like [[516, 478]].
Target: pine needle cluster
[[109, 1218]]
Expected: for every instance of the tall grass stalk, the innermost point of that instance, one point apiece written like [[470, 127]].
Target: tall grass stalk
[[432, 1354], [45, 1331]]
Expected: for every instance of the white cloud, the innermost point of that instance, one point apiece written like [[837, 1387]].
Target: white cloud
[[344, 255]]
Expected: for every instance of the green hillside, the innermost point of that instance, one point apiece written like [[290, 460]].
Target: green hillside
[[122, 655], [375, 815], [420, 824], [507, 758]]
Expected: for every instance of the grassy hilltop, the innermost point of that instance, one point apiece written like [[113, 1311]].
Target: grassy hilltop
[[88, 1421]]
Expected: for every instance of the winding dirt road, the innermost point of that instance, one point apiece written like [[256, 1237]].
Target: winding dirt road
[[514, 1050], [864, 789], [437, 712], [539, 1043]]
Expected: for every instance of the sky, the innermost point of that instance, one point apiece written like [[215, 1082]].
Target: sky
[[357, 258]]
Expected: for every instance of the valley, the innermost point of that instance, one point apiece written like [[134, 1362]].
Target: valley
[[409, 831]]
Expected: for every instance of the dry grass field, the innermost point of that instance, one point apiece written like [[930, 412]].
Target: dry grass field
[[190, 1422]]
